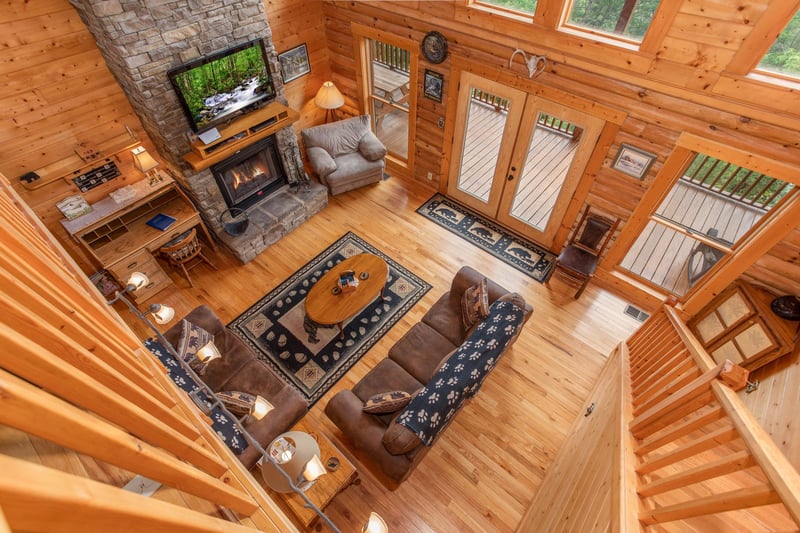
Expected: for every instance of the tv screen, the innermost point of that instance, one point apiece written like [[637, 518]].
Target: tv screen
[[216, 88]]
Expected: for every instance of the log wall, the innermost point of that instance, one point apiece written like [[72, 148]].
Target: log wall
[[686, 77]]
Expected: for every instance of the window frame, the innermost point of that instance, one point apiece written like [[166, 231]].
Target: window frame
[[662, 17]]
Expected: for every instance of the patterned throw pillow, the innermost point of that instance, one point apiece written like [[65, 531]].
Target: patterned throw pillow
[[238, 403], [193, 337], [475, 304], [387, 402]]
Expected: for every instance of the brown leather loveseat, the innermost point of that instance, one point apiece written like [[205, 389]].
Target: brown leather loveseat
[[414, 365]]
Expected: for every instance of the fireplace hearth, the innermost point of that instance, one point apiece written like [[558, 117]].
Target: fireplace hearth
[[251, 174]]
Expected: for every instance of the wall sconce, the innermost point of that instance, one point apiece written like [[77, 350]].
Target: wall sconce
[[375, 524], [145, 162], [329, 98], [261, 408], [136, 281], [208, 353], [162, 313], [536, 64]]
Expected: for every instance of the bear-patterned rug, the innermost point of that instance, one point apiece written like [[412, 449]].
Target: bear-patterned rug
[[313, 361], [472, 227]]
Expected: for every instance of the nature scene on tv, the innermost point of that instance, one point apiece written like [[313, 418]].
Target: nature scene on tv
[[225, 85]]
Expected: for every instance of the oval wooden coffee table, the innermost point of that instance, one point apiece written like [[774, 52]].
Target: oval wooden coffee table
[[324, 308]]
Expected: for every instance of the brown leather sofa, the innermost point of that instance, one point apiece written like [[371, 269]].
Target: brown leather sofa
[[240, 370], [410, 364]]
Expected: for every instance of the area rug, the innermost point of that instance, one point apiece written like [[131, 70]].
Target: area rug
[[470, 226], [274, 326]]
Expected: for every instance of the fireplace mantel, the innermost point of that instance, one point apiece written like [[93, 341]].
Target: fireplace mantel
[[240, 133]]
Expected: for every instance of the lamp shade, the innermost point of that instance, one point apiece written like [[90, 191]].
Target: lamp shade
[[261, 408], [162, 313], [137, 281], [292, 451], [329, 97], [375, 524], [208, 352], [143, 160]]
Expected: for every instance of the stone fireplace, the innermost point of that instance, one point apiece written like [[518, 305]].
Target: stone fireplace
[[141, 41], [250, 174]]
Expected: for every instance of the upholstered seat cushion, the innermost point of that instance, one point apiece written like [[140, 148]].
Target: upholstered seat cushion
[[421, 350]]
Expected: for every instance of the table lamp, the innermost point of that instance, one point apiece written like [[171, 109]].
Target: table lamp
[[329, 98], [297, 453], [145, 162]]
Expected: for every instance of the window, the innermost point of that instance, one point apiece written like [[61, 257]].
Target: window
[[701, 220], [627, 18], [784, 56], [523, 6]]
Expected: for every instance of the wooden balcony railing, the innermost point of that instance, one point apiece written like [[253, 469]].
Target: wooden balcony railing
[[699, 450]]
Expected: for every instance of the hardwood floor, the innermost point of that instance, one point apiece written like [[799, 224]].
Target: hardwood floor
[[485, 469]]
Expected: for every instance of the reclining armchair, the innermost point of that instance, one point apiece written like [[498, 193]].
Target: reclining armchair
[[345, 154]]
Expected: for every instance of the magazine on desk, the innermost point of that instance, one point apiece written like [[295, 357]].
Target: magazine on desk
[[162, 221]]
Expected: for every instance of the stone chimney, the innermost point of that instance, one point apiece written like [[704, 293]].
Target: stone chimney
[[141, 41]]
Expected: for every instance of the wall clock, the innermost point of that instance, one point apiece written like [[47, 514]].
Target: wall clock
[[434, 47]]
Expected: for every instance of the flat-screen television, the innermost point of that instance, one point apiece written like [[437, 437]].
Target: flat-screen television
[[218, 87]]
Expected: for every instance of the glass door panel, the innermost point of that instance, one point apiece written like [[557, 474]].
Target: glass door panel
[[556, 143], [486, 124], [390, 82]]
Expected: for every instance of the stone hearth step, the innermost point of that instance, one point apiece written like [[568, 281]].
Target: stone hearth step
[[273, 218]]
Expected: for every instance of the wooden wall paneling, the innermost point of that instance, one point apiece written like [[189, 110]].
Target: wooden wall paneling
[[766, 29], [75, 429], [49, 498], [565, 500]]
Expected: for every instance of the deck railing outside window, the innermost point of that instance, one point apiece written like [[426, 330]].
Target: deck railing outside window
[[391, 56]]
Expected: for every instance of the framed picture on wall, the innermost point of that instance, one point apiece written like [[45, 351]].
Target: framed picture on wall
[[433, 85], [632, 161], [294, 63]]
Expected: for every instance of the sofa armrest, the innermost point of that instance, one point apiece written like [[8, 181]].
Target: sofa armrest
[[321, 161], [366, 432], [371, 147]]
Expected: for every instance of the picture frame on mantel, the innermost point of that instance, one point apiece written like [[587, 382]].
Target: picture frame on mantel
[[294, 63], [633, 161]]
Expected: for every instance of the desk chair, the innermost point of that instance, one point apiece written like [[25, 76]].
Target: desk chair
[[186, 252], [578, 260]]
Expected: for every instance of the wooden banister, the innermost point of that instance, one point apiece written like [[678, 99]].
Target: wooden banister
[[691, 428]]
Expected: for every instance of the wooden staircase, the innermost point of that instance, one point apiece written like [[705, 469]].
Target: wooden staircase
[[667, 445]]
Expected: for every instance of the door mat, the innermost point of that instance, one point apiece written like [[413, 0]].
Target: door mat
[[470, 226], [313, 363]]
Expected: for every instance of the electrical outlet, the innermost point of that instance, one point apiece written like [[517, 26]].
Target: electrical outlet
[[430, 176]]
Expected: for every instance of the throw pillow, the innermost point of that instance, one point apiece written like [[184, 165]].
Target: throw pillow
[[371, 147], [238, 403], [387, 402], [192, 338], [475, 304], [399, 439]]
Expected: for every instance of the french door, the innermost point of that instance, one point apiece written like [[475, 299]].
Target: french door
[[518, 157]]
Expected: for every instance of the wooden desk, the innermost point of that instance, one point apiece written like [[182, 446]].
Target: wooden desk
[[117, 237], [325, 488]]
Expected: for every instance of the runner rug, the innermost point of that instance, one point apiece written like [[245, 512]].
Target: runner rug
[[273, 327], [470, 226]]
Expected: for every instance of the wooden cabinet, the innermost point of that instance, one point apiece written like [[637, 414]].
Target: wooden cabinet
[[119, 239], [740, 326]]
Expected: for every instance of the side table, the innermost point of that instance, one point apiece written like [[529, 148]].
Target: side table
[[324, 489]]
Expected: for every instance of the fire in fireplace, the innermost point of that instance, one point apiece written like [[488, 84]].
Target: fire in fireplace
[[250, 174]]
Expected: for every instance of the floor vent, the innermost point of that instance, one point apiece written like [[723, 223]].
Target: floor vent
[[641, 316]]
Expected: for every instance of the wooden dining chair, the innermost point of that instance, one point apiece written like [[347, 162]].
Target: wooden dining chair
[[185, 252], [578, 260]]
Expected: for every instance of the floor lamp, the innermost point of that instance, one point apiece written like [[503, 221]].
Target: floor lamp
[[330, 99], [162, 314]]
